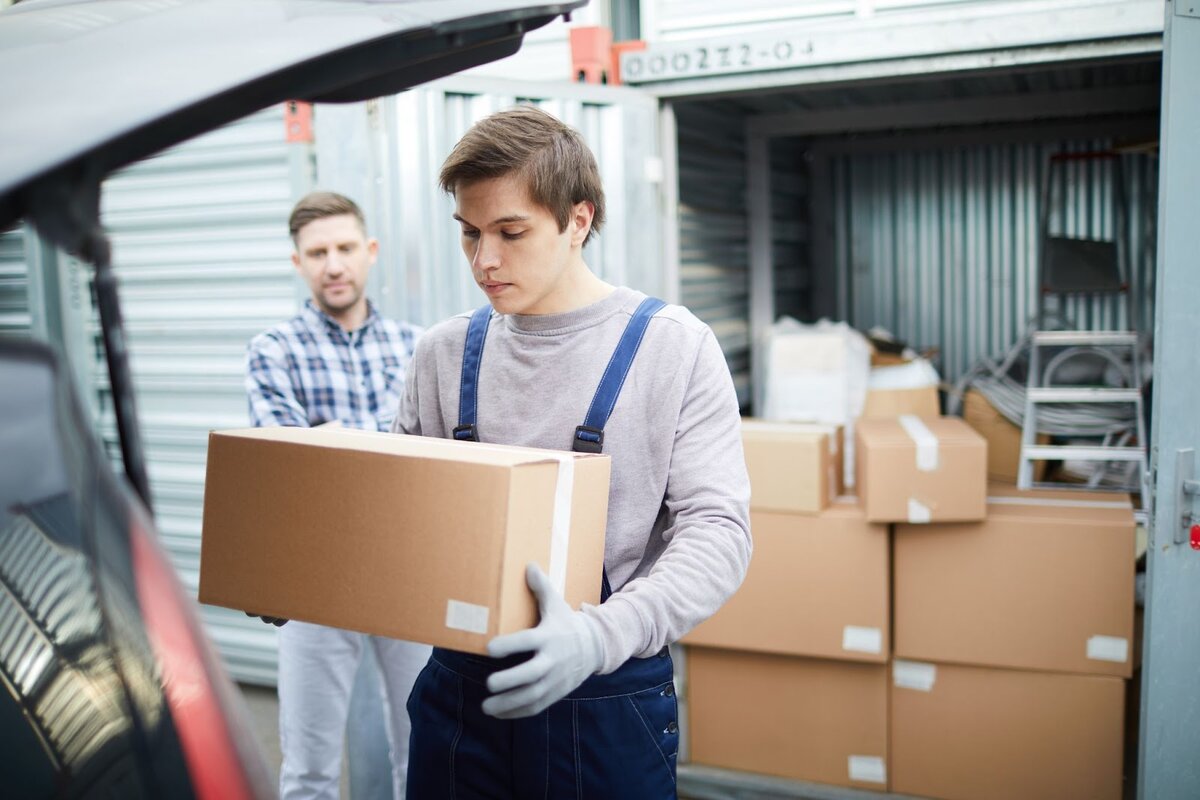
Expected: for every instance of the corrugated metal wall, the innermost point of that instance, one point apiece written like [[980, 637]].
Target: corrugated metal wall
[[790, 226], [15, 319], [424, 275], [202, 255], [713, 230], [941, 246]]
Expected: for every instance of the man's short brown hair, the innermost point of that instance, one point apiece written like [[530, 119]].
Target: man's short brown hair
[[550, 157], [318, 205]]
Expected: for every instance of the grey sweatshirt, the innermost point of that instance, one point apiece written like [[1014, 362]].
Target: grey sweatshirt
[[678, 538]]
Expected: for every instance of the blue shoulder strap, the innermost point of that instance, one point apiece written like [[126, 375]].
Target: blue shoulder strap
[[589, 437], [468, 387]]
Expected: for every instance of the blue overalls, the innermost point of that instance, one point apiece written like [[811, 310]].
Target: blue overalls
[[613, 738]]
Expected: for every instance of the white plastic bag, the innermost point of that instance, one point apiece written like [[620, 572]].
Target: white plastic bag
[[816, 373]]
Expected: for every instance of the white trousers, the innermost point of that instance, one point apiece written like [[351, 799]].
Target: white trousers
[[317, 666]]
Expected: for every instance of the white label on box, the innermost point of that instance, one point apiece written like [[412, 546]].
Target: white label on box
[[918, 512], [1108, 648], [868, 769], [466, 617], [923, 438], [862, 640], [560, 532], [914, 675]]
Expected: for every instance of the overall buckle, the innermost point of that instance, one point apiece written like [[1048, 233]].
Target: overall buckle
[[466, 433], [588, 439]]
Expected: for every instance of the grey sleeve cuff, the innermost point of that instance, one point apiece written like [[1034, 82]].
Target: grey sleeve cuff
[[621, 631]]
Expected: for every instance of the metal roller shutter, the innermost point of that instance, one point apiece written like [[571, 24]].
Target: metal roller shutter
[[15, 318], [202, 254]]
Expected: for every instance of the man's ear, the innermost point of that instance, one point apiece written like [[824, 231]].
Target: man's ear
[[581, 221], [373, 249], [296, 259]]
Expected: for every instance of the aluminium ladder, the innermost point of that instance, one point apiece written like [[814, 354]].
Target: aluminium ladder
[[1093, 267], [1041, 391]]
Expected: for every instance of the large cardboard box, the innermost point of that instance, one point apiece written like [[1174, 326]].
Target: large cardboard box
[[1003, 438], [972, 733], [921, 470], [799, 718], [1046, 582], [793, 466], [817, 586], [402, 536]]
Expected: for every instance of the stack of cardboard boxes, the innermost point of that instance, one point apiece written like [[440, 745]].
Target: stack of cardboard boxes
[[790, 677], [932, 636], [937, 636], [1014, 637]]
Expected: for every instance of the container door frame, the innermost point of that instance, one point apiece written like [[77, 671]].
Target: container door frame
[[1170, 704]]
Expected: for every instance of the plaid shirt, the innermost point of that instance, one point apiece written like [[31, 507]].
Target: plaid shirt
[[308, 371]]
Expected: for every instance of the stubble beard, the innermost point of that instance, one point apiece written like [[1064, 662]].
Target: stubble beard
[[334, 309]]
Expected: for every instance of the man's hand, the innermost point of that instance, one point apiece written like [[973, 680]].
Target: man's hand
[[276, 621], [566, 651]]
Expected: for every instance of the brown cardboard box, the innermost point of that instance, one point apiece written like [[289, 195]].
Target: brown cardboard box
[[793, 466], [1003, 438], [888, 403], [800, 718], [1046, 582], [973, 733], [817, 586], [920, 470], [402, 536], [880, 358]]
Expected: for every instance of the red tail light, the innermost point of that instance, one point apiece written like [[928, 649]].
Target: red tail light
[[190, 675]]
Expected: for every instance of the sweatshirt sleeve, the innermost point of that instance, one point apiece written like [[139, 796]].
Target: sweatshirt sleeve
[[707, 532]]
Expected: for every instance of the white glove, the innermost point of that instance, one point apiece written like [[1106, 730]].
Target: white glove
[[566, 651]]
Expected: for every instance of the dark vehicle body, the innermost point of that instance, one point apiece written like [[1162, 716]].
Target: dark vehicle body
[[109, 686]]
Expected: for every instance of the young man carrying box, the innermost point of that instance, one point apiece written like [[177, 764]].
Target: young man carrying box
[[584, 701]]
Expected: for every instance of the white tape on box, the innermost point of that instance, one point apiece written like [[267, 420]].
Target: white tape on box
[[862, 640], [467, 617], [1108, 648], [560, 533], [868, 769], [918, 512], [914, 675], [923, 438]]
